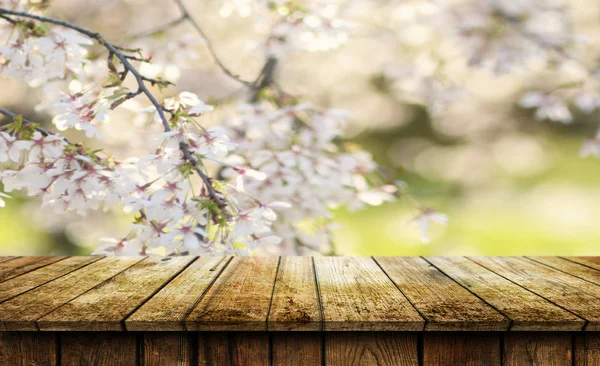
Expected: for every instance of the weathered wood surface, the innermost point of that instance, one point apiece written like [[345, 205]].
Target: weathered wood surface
[[357, 295], [240, 297], [295, 303], [567, 291], [300, 294], [168, 308], [445, 304], [527, 310]]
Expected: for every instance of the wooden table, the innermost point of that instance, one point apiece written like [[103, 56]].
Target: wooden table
[[300, 311]]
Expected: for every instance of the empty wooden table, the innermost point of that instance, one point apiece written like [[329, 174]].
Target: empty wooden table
[[299, 311]]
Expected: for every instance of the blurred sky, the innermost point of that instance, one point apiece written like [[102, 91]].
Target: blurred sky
[[510, 185]]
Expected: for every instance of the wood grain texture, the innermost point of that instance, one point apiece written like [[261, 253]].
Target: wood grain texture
[[167, 309], [239, 299], [297, 348], [18, 266], [371, 348], [586, 349], [571, 293], [98, 348], [21, 312], [233, 349], [7, 258], [593, 262], [574, 269], [463, 348], [527, 311], [445, 304], [30, 280], [295, 302], [27, 348], [543, 349], [357, 295], [167, 349], [104, 307]]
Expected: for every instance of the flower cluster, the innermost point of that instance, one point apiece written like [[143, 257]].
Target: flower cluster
[[297, 150], [36, 54]]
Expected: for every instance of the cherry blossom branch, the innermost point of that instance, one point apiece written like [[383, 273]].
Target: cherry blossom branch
[[111, 48], [115, 50], [211, 49], [12, 115]]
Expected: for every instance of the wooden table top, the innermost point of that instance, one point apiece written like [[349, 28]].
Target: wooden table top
[[300, 293]]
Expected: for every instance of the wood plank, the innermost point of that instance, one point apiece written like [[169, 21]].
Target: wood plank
[[295, 303], [371, 348], [297, 348], [27, 348], [7, 258], [167, 349], [593, 262], [527, 311], [28, 281], [526, 348], [104, 307], [98, 348], [18, 266], [464, 348], [445, 304], [239, 299], [570, 267], [233, 349], [586, 349], [571, 293], [167, 309], [21, 312], [357, 295]]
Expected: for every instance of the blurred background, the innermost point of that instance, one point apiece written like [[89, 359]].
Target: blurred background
[[510, 184]]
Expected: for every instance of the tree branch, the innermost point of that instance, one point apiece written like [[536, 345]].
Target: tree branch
[[12, 115], [184, 147]]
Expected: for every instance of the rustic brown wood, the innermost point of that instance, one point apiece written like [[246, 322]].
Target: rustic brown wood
[[371, 348], [593, 262], [571, 293], [167, 349], [106, 306], [7, 258], [21, 312], [465, 349], [297, 348], [239, 299], [167, 309], [526, 348], [445, 304], [27, 348], [18, 266], [586, 349], [98, 348], [233, 349], [30, 280], [570, 267], [527, 311], [295, 302], [357, 295]]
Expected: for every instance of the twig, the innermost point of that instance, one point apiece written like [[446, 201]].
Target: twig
[[12, 115], [173, 23], [186, 15]]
